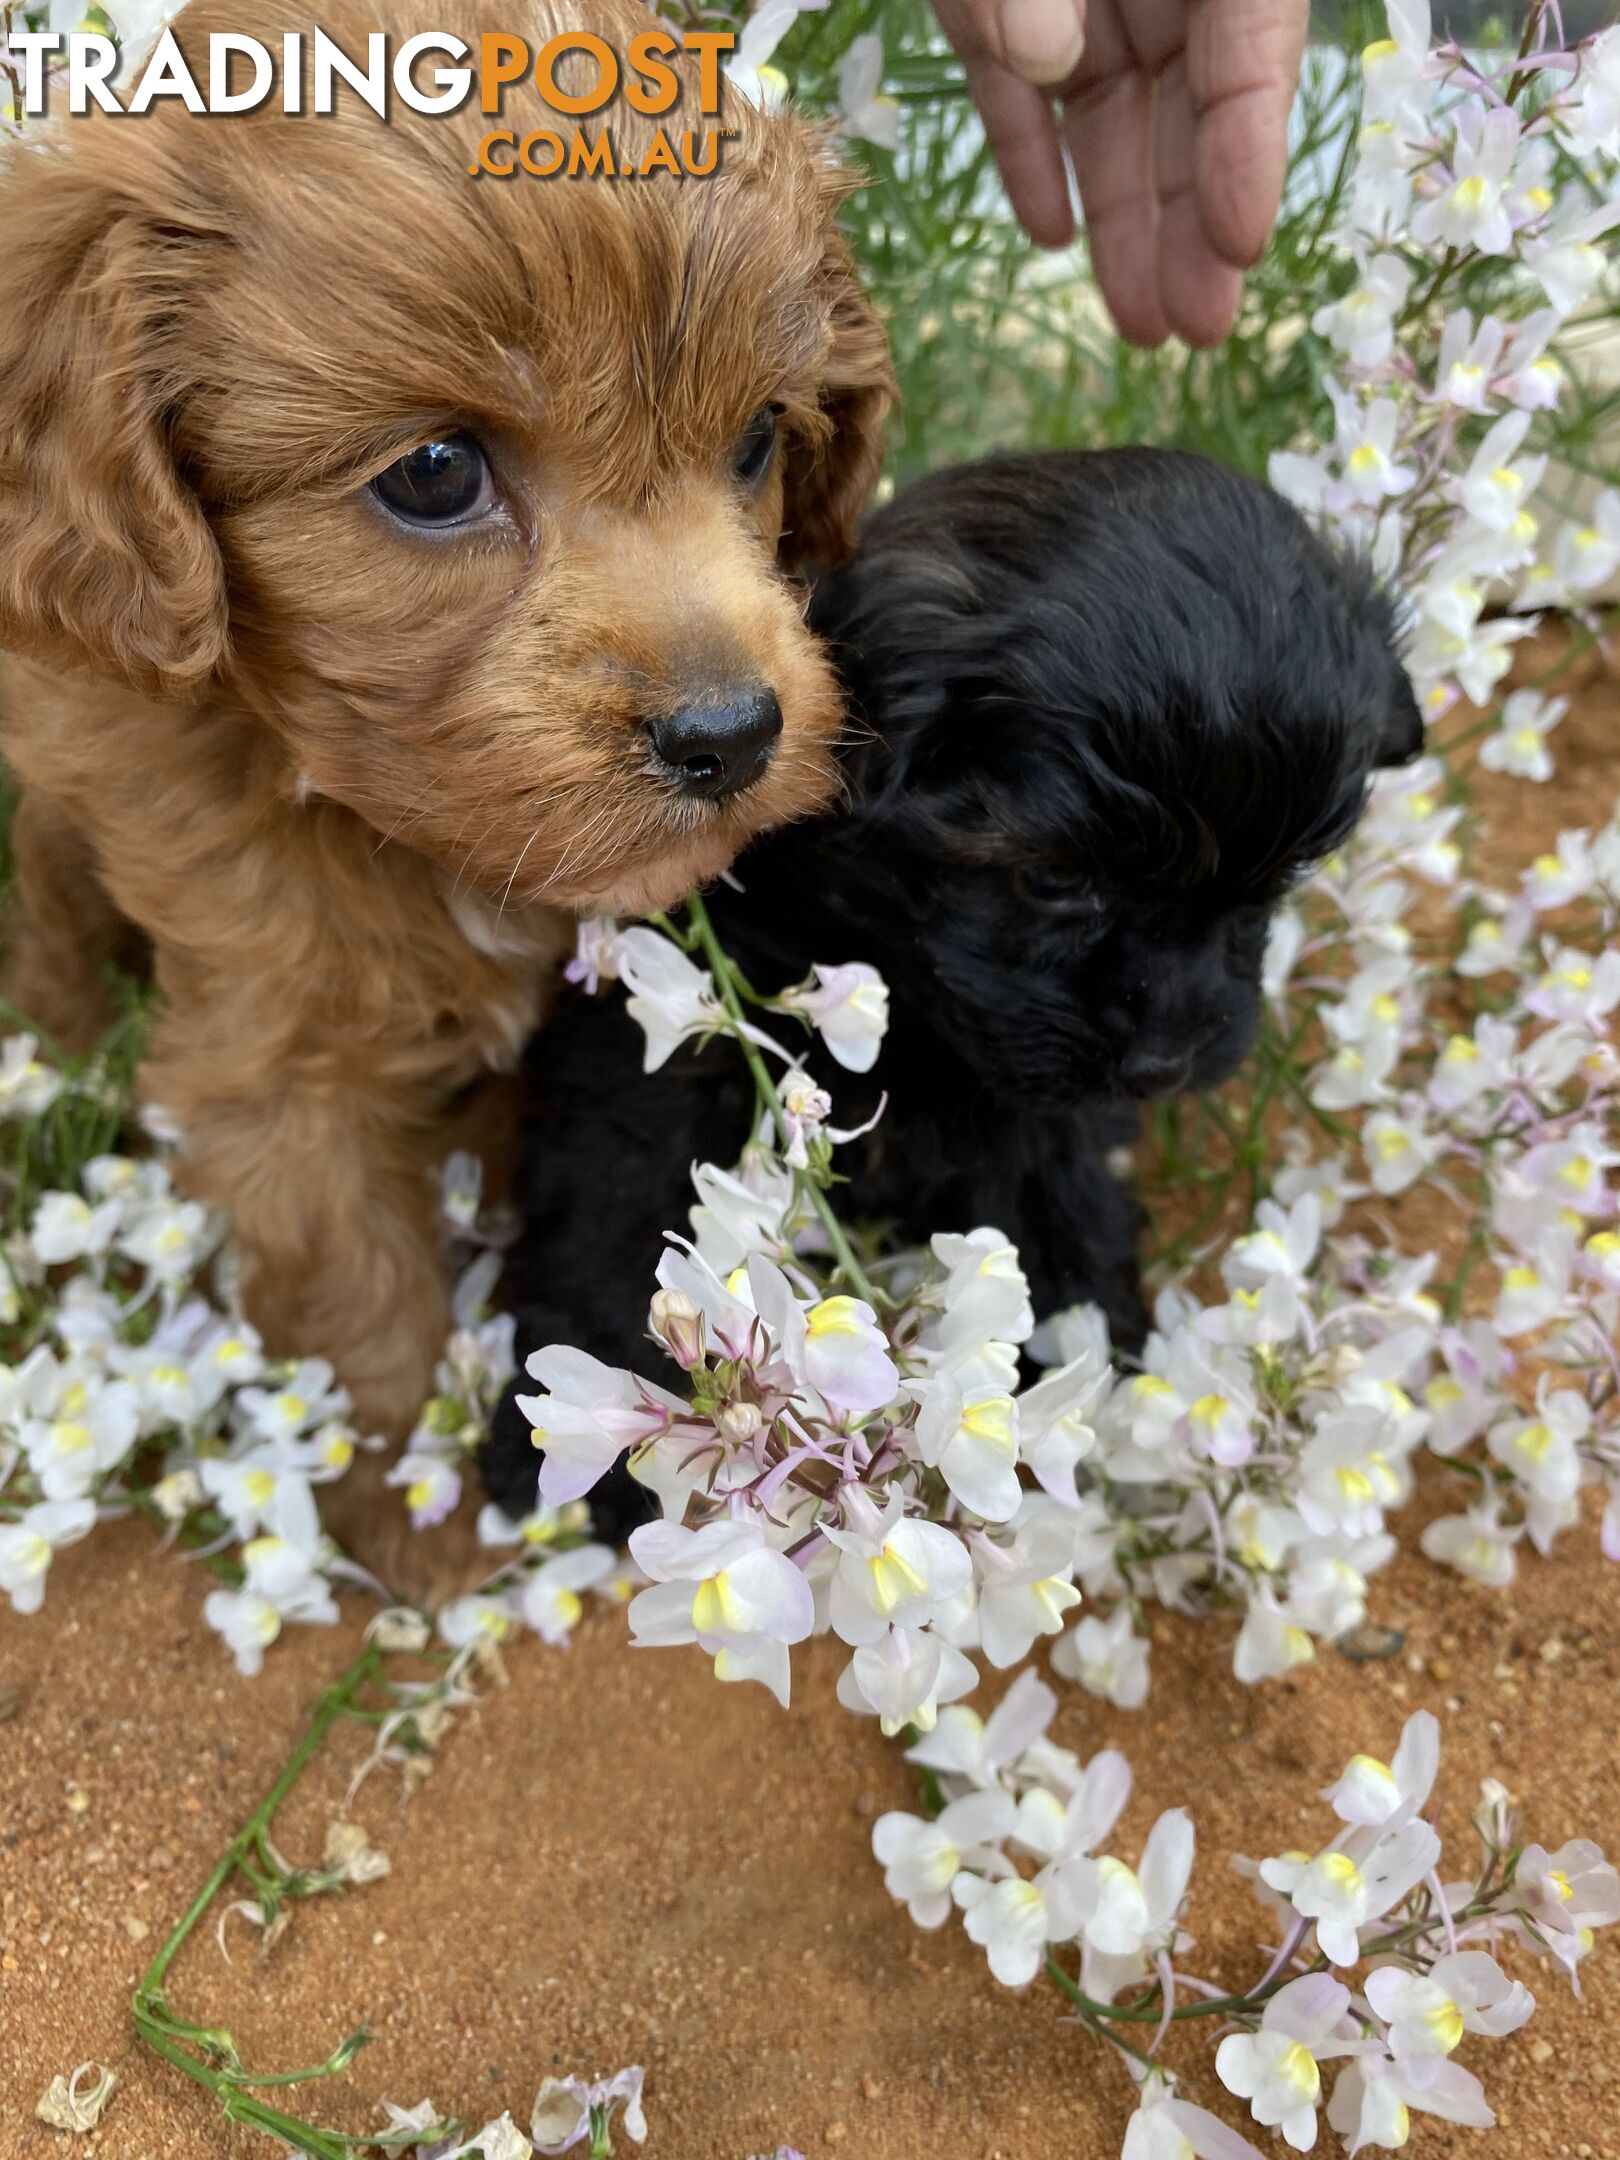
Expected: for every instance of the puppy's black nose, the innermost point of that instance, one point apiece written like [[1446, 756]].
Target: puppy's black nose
[[1148, 1072], [714, 751]]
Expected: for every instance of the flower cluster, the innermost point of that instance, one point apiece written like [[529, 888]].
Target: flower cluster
[[133, 1384], [1381, 1965]]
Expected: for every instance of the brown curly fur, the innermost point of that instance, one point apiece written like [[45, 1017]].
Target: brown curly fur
[[340, 775]]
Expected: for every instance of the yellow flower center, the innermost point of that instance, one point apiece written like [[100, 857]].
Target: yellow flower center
[[715, 1608], [1470, 194], [992, 1422], [833, 1316], [1341, 1871], [1440, 1394], [70, 1438], [1520, 1278], [1445, 2021], [567, 1606], [1365, 457], [1298, 2069], [259, 1486], [893, 1578]]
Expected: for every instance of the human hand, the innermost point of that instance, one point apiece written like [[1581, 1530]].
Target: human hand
[[1175, 113]]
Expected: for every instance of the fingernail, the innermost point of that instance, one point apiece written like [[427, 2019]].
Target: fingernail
[[1042, 39]]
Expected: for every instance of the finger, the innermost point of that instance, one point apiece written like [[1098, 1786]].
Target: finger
[[1198, 291], [1109, 127], [1042, 40], [1022, 130], [1243, 61]]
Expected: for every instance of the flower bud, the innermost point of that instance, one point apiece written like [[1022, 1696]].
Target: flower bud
[[738, 1421], [678, 1325]]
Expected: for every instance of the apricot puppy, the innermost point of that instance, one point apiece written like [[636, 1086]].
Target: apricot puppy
[[396, 557]]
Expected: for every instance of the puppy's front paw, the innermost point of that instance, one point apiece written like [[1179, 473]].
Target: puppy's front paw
[[370, 1520]]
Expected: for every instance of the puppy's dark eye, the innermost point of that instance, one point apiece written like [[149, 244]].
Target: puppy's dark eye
[[1058, 892], [751, 458], [446, 482]]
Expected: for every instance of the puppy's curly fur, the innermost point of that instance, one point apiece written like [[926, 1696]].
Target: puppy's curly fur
[[1118, 702], [337, 771]]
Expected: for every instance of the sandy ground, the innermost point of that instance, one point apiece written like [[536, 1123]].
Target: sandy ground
[[619, 1861]]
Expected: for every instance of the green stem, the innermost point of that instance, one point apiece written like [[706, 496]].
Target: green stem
[[160, 2028], [725, 984]]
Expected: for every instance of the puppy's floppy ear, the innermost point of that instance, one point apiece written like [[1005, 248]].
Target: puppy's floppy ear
[[1400, 728], [828, 480], [106, 560]]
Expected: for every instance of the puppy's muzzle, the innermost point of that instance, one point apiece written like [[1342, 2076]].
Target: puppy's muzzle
[[711, 752]]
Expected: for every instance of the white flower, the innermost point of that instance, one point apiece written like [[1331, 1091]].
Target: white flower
[[307, 1398], [1125, 1912], [93, 1430], [1373, 2097], [1587, 555], [1276, 2069], [985, 1295], [1370, 1792], [1543, 1451], [564, 2108], [1476, 1544], [1468, 360], [1025, 1587], [1167, 2128], [1366, 444], [280, 1583], [1564, 1895], [432, 1486], [478, 1617], [550, 1600], [1567, 259], [1495, 490], [1397, 1150], [1428, 2013], [1577, 988], [904, 1678], [1593, 121], [263, 1488], [1362, 323], [65, 1227], [1472, 212], [588, 1417], [1394, 69], [28, 1545], [1354, 1882], [1519, 745], [1107, 1657], [892, 1571], [27, 1088], [862, 109], [846, 1357], [921, 1859], [671, 997], [498, 2140], [964, 1745], [725, 1589], [749, 70], [1268, 1643], [972, 1440], [1055, 1425], [170, 1237]]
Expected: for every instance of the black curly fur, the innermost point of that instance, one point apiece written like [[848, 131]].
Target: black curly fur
[[1115, 702]]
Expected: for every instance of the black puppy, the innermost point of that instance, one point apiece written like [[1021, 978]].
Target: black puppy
[[1116, 703]]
